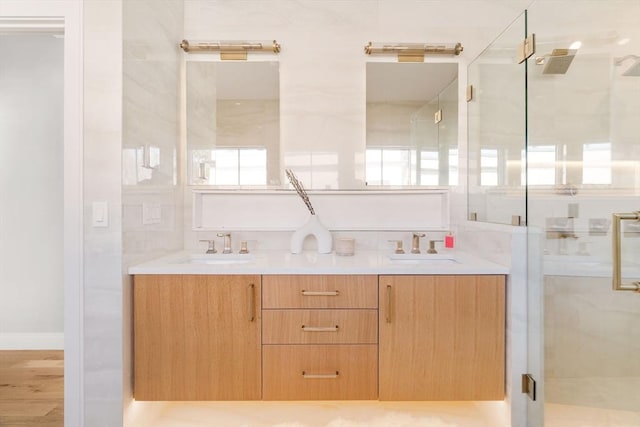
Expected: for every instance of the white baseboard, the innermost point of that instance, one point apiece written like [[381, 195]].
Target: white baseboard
[[31, 341]]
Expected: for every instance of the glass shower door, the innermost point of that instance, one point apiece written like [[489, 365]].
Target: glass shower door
[[583, 168]]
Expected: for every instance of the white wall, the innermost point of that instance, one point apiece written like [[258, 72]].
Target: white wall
[[102, 182], [31, 192]]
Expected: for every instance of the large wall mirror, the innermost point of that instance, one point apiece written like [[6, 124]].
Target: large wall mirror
[[233, 123], [412, 124]]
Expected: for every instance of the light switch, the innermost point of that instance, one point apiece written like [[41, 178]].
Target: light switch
[[100, 214]]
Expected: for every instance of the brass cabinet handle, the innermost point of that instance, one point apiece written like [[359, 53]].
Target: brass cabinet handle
[[320, 293], [306, 328], [617, 252], [332, 375], [389, 305], [252, 302]]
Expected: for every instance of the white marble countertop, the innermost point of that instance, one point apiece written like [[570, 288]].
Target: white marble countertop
[[282, 262]]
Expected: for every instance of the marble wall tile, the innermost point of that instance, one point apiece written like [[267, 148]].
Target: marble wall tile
[[102, 343], [151, 58]]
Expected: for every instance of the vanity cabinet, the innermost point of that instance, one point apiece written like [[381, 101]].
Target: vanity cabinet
[[197, 337], [320, 337], [442, 337]]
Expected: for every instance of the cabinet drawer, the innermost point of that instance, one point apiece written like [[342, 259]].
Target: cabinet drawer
[[320, 372], [320, 326], [317, 291]]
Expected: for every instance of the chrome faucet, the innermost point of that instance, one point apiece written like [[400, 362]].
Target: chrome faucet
[[415, 243], [227, 242], [211, 249]]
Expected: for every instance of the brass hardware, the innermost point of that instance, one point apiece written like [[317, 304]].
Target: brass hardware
[[526, 48], [320, 293], [399, 248], [211, 249], [529, 386], [415, 243], [432, 246], [233, 56], [413, 52], [617, 252], [227, 242], [306, 328], [469, 93], [320, 376], [243, 247], [437, 116], [473, 216], [231, 50], [516, 220], [389, 291], [252, 302]]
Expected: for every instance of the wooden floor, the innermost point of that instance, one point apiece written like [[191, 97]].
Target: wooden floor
[[31, 388]]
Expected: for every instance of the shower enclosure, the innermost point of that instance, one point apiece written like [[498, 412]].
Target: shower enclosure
[[554, 143]]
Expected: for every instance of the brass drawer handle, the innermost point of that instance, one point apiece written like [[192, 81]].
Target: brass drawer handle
[[252, 302], [320, 293], [320, 376], [306, 328]]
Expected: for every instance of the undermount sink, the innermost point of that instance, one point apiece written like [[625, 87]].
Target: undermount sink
[[217, 259], [422, 258]]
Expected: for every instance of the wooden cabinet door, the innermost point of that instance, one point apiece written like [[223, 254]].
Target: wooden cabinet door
[[197, 337], [442, 337]]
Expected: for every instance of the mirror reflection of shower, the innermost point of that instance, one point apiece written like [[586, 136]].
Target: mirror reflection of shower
[[631, 71], [557, 62]]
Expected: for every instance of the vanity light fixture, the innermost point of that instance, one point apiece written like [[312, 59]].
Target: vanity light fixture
[[231, 50], [413, 52]]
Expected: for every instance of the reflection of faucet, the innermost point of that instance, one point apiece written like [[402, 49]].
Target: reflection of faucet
[[212, 246], [562, 250], [227, 242], [415, 243]]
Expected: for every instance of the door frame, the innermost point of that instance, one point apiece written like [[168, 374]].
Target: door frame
[[33, 16]]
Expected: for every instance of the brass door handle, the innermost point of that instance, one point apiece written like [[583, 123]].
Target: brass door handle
[[389, 303], [617, 252]]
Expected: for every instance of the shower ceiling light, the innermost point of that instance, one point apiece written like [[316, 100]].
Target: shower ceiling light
[[634, 68]]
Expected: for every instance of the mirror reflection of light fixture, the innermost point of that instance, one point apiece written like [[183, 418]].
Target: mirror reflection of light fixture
[[231, 50], [413, 52]]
